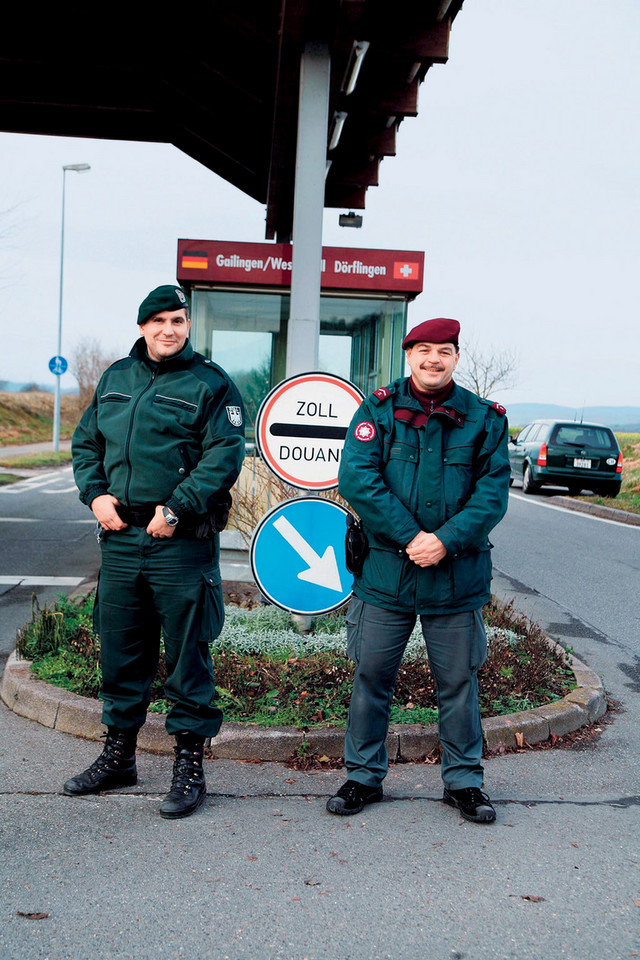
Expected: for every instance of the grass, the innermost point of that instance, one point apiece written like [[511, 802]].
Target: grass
[[50, 458], [270, 675], [6, 478], [28, 417]]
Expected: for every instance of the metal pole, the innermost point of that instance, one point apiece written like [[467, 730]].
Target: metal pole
[[308, 206], [56, 405]]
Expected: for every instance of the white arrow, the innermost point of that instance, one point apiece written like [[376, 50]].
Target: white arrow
[[323, 570]]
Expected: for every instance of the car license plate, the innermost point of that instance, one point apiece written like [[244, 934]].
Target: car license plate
[[585, 464]]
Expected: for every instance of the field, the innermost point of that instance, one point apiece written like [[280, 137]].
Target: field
[[28, 417]]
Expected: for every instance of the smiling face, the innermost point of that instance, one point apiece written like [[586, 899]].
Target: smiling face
[[432, 364], [165, 333]]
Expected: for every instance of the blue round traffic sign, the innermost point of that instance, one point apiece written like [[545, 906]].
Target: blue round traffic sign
[[298, 558], [58, 365]]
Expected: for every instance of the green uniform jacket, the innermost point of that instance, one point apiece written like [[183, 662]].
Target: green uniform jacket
[[448, 475], [169, 433]]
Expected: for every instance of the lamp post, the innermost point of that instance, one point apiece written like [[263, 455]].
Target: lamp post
[[79, 168]]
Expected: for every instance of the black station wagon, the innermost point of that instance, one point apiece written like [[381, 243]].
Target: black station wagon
[[566, 454]]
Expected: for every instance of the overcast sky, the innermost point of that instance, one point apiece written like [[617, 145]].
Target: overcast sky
[[519, 180]]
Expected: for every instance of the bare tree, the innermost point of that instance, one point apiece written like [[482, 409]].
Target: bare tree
[[88, 363], [485, 371]]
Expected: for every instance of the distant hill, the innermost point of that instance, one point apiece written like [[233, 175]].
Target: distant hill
[[626, 419], [16, 386]]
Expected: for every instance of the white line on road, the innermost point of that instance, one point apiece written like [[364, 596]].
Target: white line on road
[[40, 581], [574, 513], [43, 520]]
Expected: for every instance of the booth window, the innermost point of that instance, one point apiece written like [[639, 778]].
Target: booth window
[[246, 332]]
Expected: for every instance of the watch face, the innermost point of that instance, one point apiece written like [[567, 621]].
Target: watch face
[[169, 517]]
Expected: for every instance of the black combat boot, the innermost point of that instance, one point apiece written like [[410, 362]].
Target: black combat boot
[[114, 768], [188, 788]]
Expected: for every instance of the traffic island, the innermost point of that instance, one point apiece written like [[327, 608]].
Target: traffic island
[[81, 716]]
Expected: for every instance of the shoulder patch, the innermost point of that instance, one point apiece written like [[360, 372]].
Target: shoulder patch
[[364, 431], [499, 408]]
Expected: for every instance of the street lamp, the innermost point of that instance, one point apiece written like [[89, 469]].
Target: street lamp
[[79, 168]]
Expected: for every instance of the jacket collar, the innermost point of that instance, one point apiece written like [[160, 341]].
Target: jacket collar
[[453, 410], [177, 362]]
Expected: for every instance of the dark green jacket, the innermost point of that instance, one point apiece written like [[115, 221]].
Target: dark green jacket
[[447, 475], [170, 433]]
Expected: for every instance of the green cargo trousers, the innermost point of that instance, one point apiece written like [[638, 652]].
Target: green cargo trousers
[[146, 585], [456, 648]]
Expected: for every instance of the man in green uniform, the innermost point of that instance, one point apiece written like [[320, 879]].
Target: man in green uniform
[[426, 467], [154, 457]]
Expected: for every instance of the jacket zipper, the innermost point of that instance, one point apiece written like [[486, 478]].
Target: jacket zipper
[[129, 433]]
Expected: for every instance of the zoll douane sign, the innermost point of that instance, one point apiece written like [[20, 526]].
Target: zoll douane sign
[[301, 428], [270, 264]]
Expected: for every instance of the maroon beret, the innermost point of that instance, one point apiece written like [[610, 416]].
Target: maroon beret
[[439, 330]]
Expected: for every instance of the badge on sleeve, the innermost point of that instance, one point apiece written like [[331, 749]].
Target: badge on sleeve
[[235, 416], [365, 431]]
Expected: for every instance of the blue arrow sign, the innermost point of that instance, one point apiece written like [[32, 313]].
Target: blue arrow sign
[[297, 556], [58, 365]]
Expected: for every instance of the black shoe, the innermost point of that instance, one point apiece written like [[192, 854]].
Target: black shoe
[[114, 768], [188, 788], [472, 803], [351, 798]]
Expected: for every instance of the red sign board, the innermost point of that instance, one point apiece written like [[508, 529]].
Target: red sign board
[[269, 264]]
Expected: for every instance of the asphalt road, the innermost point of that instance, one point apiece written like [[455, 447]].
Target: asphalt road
[[262, 871]]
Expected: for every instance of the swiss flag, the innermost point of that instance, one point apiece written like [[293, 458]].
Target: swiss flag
[[405, 271]]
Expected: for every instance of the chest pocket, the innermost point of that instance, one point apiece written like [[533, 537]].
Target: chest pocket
[[400, 471], [177, 403], [457, 471]]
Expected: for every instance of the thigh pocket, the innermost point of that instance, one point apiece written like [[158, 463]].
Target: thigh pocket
[[212, 606]]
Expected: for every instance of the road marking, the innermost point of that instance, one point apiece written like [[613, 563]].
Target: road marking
[[25, 581], [574, 513], [42, 520], [42, 481]]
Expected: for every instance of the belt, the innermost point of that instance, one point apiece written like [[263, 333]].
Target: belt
[[139, 515]]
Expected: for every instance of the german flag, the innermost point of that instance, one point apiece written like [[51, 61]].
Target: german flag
[[195, 260]]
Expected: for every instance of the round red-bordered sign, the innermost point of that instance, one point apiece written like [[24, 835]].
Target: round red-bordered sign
[[302, 425]]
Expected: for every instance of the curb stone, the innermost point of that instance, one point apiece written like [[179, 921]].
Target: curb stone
[[81, 716]]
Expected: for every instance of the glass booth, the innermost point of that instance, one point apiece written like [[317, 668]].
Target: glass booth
[[240, 311]]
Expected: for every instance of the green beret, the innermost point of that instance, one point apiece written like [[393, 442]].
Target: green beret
[[166, 297]]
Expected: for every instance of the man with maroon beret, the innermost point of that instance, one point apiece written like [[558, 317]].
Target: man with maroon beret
[[426, 467]]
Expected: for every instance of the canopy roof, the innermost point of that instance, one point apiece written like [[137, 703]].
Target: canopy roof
[[223, 85]]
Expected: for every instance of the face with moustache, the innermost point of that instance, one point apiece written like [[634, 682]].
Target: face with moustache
[[432, 364]]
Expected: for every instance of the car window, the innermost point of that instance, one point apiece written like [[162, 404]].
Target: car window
[[535, 432], [582, 435], [524, 432]]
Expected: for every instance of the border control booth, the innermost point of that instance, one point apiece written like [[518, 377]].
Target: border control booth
[[240, 311]]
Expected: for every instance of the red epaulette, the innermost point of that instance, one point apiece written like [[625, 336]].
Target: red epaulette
[[382, 393], [499, 408]]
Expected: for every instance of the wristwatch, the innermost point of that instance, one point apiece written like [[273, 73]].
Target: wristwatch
[[169, 517]]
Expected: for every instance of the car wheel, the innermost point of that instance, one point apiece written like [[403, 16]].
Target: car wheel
[[510, 481], [574, 489], [528, 483], [606, 491]]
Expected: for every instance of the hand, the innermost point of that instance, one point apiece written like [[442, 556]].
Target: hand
[[159, 528], [104, 510], [426, 550]]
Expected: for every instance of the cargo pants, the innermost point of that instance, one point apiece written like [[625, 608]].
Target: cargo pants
[[146, 585], [456, 647]]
